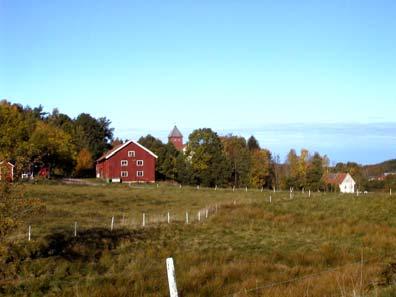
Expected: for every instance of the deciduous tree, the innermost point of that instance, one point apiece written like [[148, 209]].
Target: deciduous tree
[[208, 162]]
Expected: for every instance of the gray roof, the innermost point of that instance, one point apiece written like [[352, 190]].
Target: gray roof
[[175, 132]]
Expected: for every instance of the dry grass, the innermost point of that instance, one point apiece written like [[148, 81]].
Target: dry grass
[[240, 250]]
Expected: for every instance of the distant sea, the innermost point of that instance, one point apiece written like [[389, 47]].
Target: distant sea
[[361, 143]]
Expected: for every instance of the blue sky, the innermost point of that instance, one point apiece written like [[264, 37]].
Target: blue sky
[[235, 66]]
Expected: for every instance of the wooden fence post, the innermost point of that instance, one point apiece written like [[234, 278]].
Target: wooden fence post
[[186, 217], [168, 218], [170, 268], [75, 229], [144, 220], [30, 232], [112, 223]]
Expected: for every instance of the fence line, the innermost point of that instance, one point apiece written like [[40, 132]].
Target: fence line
[[166, 218], [147, 220]]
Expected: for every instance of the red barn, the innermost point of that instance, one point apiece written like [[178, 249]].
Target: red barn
[[7, 170], [128, 162]]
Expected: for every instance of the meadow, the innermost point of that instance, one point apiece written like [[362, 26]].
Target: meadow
[[328, 244]]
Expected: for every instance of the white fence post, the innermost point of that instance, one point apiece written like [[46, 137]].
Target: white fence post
[[270, 199], [144, 220], [199, 216], [186, 217], [309, 193], [30, 232], [206, 213], [112, 223], [233, 188], [246, 189], [168, 218], [170, 268], [75, 229], [390, 192]]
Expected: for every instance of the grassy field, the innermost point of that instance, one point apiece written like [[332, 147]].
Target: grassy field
[[326, 245]]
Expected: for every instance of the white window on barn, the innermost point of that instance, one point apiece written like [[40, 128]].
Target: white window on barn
[[139, 173], [124, 163], [124, 173], [131, 154], [139, 163]]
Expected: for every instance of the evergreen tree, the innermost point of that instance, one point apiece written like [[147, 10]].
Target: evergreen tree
[[315, 173], [253, 144]]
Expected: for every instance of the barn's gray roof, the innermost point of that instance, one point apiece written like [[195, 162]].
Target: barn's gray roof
[[175, 132]]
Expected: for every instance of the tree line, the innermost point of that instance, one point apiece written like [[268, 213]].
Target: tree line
[[211, 160], [32, 139]]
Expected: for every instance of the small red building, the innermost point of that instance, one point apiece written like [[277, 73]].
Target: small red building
[[7, 171], [129, 162], [176, 138]]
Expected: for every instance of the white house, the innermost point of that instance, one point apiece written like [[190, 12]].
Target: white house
[[342, 180]]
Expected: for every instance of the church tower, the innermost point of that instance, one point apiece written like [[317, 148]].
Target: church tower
[[176, 138]]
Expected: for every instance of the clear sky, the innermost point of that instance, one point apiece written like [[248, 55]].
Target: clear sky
[[225, 64]]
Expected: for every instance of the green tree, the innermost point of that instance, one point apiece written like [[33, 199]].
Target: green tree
[[292, 164], [184, 174], [253, 144], [14, 130], [62, 121], [315, 173], [166, 168], [208, 162], [238, 158], [93, 134], [14, 207], [52, 147]]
